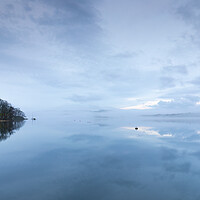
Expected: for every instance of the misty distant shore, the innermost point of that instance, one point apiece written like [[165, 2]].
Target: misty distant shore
[[174, 115]]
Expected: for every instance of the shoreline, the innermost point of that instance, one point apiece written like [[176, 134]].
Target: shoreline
[[7, 120]]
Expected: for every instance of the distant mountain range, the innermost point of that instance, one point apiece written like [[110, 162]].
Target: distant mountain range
[[174, 115]]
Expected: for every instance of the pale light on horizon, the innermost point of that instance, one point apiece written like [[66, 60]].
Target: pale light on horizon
[[147, 105]]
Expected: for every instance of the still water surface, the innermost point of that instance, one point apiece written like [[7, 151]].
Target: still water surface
[[102, 158]]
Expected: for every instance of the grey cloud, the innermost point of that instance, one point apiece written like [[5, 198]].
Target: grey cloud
[[100, 111], [80, 98], [82, 11], [167, 82], [7, 38], [48, 40], [125, 55], [60, 43], [69, 21], [172, 75], [181, 103], [184, 101], [196, 81], [183, 93], [190, 12], [178, 69], [78, 20]]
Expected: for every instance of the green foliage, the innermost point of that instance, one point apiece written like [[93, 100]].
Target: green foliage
[[8, 112]]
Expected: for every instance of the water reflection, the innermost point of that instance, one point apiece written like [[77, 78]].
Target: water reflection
[[184, 131], [8, 128], [81, 161], [148, 131]]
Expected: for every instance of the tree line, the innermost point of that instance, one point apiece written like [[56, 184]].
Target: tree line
[[8, 112]]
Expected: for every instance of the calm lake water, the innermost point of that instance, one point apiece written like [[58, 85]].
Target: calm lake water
[[98, 157]]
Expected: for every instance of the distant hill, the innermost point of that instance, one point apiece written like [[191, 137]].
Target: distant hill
[[175, 115], [10, 113]]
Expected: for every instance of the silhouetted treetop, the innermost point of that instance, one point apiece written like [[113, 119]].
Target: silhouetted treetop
[[8, 112]]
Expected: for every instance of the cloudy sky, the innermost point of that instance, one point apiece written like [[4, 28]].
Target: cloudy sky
[[97, 54]]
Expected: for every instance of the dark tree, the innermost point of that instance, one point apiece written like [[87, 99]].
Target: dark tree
[[8, 112]]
